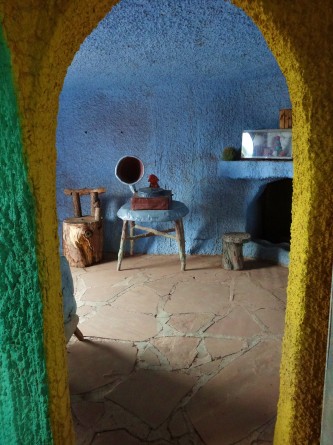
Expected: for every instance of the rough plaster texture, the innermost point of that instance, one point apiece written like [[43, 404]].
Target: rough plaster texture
[[256, 170], [42, 46], [307, 71], [43, 39], [23, 388], [172, 85]]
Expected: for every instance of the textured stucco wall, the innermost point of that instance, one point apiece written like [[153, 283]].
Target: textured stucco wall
[[300, 41], [43, 39], [23, 384], [175, 103]]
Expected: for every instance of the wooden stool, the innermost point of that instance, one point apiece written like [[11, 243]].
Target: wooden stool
[[233, 249], [83, 235]]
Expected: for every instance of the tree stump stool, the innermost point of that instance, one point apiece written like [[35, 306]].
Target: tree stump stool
[[233, 250], [83, 235]]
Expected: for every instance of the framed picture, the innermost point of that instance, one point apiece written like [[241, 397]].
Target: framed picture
[[267, 144]]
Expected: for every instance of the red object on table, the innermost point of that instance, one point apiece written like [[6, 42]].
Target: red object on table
[[153, 181]]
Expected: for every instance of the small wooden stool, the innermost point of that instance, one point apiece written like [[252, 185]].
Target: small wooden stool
[[83, 235], [233, 249]]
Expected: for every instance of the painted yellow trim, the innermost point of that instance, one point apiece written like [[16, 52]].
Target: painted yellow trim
[[43, 38], [298, 37]]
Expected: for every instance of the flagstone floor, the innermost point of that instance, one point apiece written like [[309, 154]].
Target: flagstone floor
[[175, 357]]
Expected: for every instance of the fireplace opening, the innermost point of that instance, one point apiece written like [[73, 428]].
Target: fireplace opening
[[274, 212]]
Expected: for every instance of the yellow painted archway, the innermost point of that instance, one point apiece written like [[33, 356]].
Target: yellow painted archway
[[298, 37], [43, 38]]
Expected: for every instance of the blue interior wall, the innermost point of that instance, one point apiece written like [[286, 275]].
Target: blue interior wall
[[177, 121]]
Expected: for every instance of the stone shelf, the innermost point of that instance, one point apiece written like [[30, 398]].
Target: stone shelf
[[255, 169]]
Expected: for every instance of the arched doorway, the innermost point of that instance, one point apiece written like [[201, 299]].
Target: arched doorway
[[307, 73], [104, 114]]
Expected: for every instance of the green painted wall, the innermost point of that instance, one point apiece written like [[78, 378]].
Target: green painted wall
[[23, 384], [42, 37]]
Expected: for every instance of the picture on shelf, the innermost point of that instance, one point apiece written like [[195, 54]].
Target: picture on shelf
[[267, 144]]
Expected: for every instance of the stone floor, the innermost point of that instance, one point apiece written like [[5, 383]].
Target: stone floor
[[175, 357]]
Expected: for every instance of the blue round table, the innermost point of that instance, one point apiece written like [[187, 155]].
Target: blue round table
[[130, 218]]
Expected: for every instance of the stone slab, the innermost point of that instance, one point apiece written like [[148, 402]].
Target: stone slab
[[141, 299], [152, 395], [179, 351], [242, 397], [119, 437], [189, 323], [93, 364], [193, 297], [238, 323], [221, 347], [114, 323]]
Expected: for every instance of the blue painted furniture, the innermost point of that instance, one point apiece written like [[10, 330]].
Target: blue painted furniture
[[175, 214], [71, 318]]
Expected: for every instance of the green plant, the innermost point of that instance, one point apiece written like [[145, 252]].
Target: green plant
[[230, 154]]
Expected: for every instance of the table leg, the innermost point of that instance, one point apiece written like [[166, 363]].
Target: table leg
[[181, 242], [78, 334], [132, 226], [122, 243]]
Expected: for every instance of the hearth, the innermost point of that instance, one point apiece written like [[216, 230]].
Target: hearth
[[274, 212], [261, 205]]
